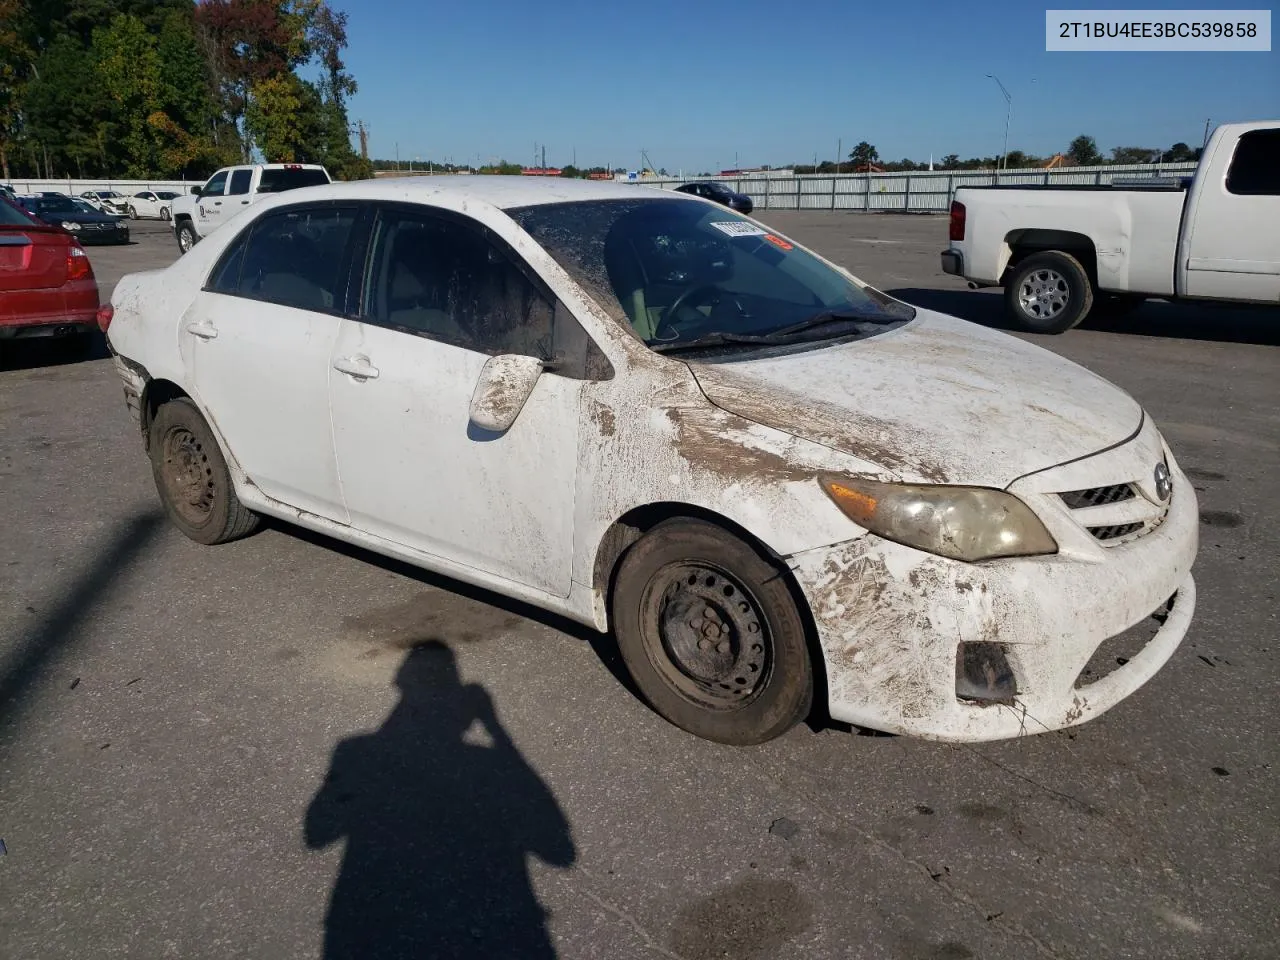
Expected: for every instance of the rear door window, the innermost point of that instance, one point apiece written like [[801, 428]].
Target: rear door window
[[1255, 168], [240, 182], [295, 257]]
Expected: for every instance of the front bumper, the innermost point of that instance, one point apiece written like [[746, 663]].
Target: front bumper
[[953, 262], [890, 618]]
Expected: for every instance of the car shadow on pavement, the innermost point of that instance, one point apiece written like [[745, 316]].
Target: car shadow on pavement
[[29, 353], [602, 645], [440, 813], [1185, 321]]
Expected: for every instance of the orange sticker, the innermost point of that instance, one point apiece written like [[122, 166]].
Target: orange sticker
[[778, 242]]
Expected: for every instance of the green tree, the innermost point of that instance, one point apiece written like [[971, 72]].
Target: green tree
[[1134, 155], [15, 67], [950, 162], [128, 68], [66, 113], [1179, 153], [1083, 152], [863, 153]]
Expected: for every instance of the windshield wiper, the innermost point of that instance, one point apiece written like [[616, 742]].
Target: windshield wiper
[[834, 316], [717, 339]]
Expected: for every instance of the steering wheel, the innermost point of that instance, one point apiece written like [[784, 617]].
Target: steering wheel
[[692, 296]]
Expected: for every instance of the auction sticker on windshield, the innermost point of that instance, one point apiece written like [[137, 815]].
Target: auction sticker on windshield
[[738, 228]]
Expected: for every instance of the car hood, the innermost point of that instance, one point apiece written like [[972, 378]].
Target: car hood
[[938, 400]]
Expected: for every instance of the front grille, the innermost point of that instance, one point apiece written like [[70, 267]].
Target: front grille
[[1097, 496], [1115, 531]]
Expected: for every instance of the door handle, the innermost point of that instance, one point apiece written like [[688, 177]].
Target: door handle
[[205, 331], [357, 366]]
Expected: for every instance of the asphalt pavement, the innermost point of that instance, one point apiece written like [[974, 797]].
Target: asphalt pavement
[[256, 750]]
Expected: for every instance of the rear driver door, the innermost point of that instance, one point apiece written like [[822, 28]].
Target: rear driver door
[[258, 339]]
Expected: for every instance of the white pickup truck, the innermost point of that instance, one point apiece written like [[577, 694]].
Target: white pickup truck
[[230, 190], [1061, 251]]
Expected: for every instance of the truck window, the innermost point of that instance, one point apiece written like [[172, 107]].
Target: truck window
[[240, 181], [278, 180], [1255, 168]]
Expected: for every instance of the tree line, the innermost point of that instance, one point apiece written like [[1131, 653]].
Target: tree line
[[1082, 152], [150, 89]]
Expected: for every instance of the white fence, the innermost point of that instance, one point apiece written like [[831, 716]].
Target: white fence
[[921, 192], [918, 192], [76, 187]]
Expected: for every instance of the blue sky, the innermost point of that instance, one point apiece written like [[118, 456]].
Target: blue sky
[[772, 82]]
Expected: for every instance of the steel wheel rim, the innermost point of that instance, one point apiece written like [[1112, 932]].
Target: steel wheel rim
[[708, 637], [187, 475], [1044, 294]]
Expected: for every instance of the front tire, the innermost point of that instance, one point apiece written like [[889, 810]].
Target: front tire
[[187, 237], [711, 634], [133, 213], [1048, 292], [164, 213], [192, 478]]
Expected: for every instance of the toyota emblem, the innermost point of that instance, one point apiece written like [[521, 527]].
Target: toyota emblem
[[1164, 482]]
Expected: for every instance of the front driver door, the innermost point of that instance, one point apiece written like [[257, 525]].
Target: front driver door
[[259, 338], [439, 298], [209, 203]]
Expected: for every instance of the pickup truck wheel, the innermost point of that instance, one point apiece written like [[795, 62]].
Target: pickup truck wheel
[[186, 236], [1048, 293], [192, 478], [711, 634]]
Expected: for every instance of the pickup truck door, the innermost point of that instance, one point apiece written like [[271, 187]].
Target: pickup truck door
[[238, 195], [209, 203], [1232, 249]]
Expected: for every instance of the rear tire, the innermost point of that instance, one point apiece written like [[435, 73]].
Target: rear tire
[[192, 478], [1048, 292], [711, 634]]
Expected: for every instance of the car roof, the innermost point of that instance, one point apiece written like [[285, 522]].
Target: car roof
[[502, 192]]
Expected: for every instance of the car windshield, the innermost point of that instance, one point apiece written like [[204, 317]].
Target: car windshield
[[13, 216], [84, 206], [684, 275], [108, 195], [60, 205], [278, 180]]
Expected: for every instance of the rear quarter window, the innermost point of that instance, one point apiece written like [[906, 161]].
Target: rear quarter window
[[278, 180]]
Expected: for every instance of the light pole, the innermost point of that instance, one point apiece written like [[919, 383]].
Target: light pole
[[1008, 113]]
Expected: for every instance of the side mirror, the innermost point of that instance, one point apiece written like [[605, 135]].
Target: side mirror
[[505, 384]]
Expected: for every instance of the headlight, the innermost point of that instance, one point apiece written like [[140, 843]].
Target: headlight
[[68, 225], [963, 523]]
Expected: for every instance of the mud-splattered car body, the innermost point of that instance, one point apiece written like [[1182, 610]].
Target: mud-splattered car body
[[905, 636]]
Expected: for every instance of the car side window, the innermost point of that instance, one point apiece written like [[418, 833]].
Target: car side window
[[446, 281], [294, 258], [217, 183], [239, 182], [1255, 168]]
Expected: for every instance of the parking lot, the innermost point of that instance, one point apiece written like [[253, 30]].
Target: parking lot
[[172, 782]]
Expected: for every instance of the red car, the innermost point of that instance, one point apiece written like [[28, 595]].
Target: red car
[[47, 287]]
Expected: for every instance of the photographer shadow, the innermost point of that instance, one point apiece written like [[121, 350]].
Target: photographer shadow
[[438, 828]]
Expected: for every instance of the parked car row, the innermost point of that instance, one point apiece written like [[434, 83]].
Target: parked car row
[[76, 216]]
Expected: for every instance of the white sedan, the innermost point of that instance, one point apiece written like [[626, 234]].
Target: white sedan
[[151, 204], [106, 201], [775, 485]]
